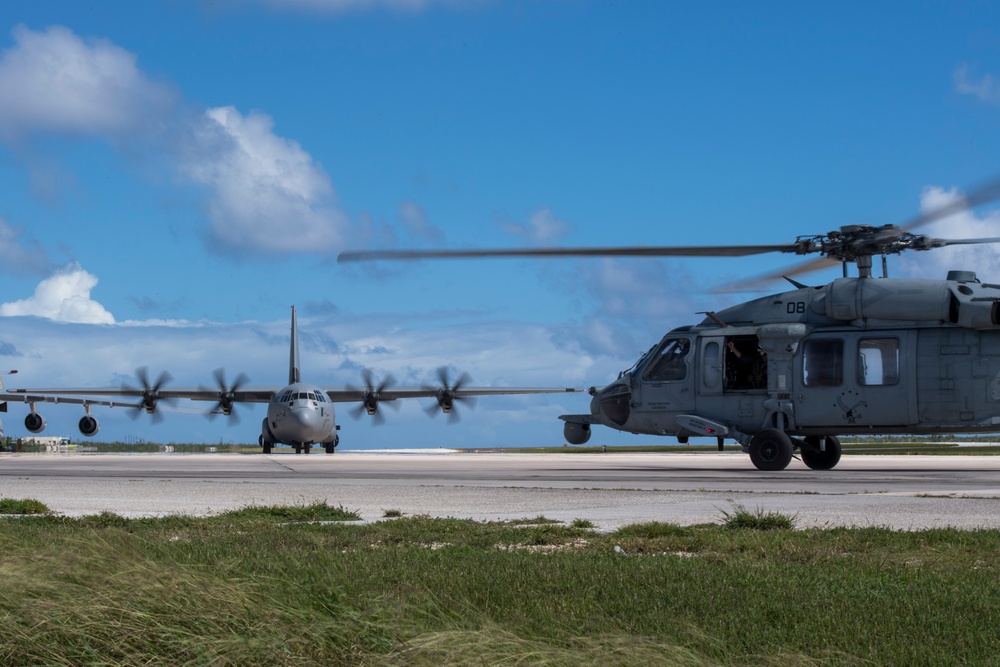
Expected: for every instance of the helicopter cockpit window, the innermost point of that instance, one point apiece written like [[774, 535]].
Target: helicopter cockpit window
[[878, 361], [823, 363], [669, 362]]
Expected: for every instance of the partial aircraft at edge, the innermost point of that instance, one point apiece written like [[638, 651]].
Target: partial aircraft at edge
[[299, 414], [792, 371]]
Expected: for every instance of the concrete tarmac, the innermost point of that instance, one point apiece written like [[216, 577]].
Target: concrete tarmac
[[610, 490]]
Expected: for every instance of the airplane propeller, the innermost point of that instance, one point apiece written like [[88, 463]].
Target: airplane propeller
[[372, 396], [150, 393], [851, 243], [227, 395], [447, 395]]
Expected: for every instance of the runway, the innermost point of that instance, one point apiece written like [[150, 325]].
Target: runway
[[610, 490]]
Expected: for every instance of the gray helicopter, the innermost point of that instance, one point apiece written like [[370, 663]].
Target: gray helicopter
[[793, 371]]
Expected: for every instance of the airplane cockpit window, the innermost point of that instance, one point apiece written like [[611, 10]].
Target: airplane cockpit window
[[669, 363], [823, 363], [878, 361]]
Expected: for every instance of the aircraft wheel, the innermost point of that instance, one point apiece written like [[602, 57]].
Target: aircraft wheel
[[771, 449], [821, 460], [267, 447], [298, 448], [331, 447], [306, 449]]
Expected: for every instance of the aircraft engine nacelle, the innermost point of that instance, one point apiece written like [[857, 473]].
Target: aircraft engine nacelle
[[34, 422], [576, 434], [89, 425]]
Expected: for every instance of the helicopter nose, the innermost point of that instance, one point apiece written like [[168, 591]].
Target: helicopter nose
[[614, 402]]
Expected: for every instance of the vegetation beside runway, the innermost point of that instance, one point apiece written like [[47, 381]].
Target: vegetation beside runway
[[304, 585]]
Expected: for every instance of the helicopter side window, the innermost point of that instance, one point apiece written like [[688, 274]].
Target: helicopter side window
[[669, 363], [823, 363], [878, 361]]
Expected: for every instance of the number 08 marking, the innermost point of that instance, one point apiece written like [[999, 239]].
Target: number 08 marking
[[793, 307]]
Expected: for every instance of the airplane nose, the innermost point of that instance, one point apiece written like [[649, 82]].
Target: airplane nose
[[307, 422]]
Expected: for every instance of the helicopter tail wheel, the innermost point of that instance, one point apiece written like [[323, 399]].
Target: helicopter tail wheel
[[771, 449], [821, 460]]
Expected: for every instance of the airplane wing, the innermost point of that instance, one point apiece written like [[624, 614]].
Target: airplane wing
[[37, 397], [348, 394], [63, 394]]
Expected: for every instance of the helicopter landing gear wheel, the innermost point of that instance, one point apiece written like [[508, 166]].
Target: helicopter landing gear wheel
[[771, 449], [821, 460]]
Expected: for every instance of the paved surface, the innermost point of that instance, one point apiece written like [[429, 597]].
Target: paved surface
[[611, 490]]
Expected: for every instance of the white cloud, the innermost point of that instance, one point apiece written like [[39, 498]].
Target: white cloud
[[542, 227], [267, 194], [54, 81], [935, 264], [64, 297], [986, 88]]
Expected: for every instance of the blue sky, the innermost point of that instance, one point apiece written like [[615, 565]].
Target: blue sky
[[175, 175]]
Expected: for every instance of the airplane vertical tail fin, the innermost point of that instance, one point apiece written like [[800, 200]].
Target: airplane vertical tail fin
[[293, 362]]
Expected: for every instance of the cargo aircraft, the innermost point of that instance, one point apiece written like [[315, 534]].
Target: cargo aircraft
[[299, 414]]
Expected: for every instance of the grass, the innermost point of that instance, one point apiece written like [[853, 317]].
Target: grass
[[300, 586]]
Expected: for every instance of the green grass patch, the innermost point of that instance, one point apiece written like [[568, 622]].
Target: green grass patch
[[743, 519], [26, 506], [273, 586]]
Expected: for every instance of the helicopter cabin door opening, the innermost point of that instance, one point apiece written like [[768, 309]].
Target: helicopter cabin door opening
[[745, 365], [853, 380]]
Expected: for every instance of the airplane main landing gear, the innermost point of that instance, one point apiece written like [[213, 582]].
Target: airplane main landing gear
[[824, 459], [771, 449]]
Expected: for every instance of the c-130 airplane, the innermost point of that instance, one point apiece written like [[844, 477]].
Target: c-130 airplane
[[299, 414]]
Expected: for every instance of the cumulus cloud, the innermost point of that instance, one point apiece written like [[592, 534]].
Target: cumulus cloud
[[54, 81], [985, 87], [63, 297], [267, 193], [541, 228], [936, 263]]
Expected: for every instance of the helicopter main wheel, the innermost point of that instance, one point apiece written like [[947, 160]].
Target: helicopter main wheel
[[821, 460], [771, 449]]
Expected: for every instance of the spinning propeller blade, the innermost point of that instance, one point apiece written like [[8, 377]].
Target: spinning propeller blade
[[371, 397], [227, 395], [447, 395]]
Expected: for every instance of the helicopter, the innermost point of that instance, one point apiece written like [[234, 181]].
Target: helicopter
[[791, 372]]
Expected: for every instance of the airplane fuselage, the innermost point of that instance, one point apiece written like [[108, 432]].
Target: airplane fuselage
[[300, 415]]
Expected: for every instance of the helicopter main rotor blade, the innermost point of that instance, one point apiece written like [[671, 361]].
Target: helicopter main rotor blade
[[761, 281], [984, 194], [627, 251]]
